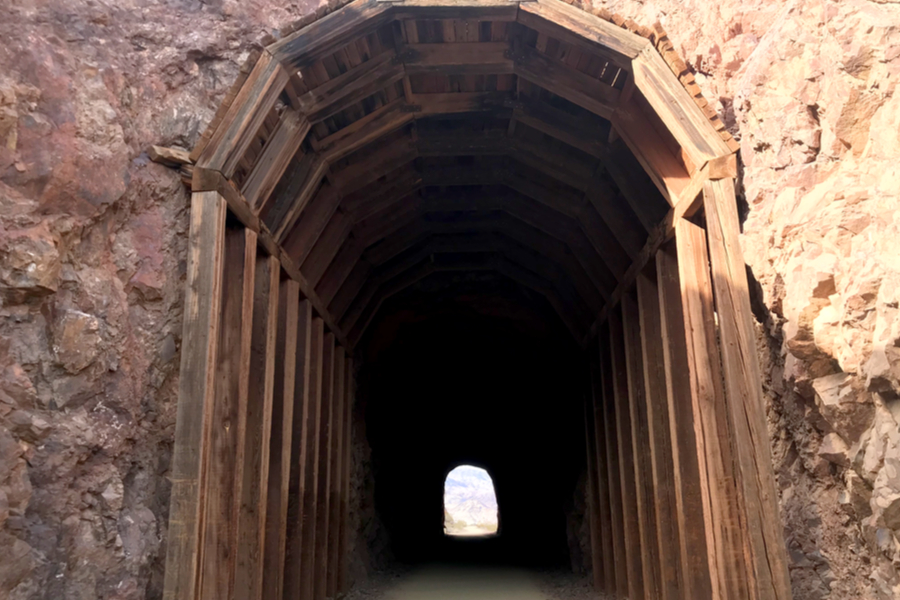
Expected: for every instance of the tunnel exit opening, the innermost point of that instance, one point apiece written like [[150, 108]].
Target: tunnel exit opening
[[409, 195], [470, 503]]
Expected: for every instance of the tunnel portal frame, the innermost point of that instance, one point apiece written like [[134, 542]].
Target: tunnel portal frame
[[289, 260]]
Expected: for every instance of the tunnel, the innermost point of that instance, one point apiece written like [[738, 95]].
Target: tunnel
[[427, 233]]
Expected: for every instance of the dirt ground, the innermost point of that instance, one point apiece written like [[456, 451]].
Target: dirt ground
[[451, 582]]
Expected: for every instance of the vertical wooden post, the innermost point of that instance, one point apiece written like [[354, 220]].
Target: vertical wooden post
[[695, 572], [668, 544], [195, 393], [293, 581], [601, 477], [768, 573], [311, 437], [724, 537], [346, 465], [336, 487], [324, 459], [280, 442], [251, 523], [610, 435], [225, 419], [645, 497], [592, 494], [630, 508]]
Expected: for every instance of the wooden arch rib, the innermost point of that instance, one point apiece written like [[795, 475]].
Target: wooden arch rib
[[357, 125]]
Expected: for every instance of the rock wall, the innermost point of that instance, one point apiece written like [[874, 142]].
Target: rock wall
[[92, 261]]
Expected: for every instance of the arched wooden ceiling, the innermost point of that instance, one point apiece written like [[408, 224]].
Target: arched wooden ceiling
[[390, 140]]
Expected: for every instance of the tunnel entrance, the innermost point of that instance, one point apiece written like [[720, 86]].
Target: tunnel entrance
[[470, 503], [402, 201]]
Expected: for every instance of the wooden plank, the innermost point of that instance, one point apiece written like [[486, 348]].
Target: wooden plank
[[477, 10], [280, 440], [645, 497], [311, 442], [293, 566], [593, 509], [768, 573], [574, 26], [370, 169], [299, 242], [717, 476], [458, 102], [462, 58], [279, 150], [571, 84], [668, 547], [573, 131], [327, 246], [200, 339], [170, 157], [641, 195], [601, 479], [628, 485], [346, 467], [323, 488], [336, 471], [678, 111], [351, 87], [281, 213], [330, 33], [213, 180], [225, 423], [248, 111], [342, 143], [695, 568], [614, 482], [251, 522]]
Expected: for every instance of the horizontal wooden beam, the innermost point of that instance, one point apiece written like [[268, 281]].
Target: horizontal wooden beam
[[461, 58], [376, 124], [209, 180]]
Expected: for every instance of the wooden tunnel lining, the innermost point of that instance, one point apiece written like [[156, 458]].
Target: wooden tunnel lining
[[546, 133]]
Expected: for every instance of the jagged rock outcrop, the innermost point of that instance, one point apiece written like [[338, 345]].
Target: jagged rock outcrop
[[92, 257]]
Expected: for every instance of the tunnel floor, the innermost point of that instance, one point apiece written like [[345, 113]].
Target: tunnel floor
[[455, 581]]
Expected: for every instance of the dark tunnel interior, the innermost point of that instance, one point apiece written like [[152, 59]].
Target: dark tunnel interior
[[480, 372]]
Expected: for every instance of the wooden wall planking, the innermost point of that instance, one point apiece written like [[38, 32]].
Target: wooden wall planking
[[311, 440], [326, 416], [610, 436], [695, 572], [224, 457], [205, 259], [344, 552], [299, 463], [645, 496], [594, 524], [336, 470], [668, 552], [630, 509], [601, 476], [280, 440], [717, 477], [251, 522], [767, 570]]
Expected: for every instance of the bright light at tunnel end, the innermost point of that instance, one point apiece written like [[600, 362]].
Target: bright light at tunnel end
[[470, 503]]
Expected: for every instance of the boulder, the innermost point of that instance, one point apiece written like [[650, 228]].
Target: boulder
[[849, 410]]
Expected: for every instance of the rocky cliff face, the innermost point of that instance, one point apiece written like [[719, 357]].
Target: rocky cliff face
[[92, 250]]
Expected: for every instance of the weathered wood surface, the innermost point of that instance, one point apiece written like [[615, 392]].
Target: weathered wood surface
[[336, 484], [346, 467], [271, 165], [724, 535], [323, 487], [768, 574], [311, 443], [617, 511], [601, 478], [280, 439], [695, 571], [668, 550], [293, 567], [196, 393], [258, 422], [645, 493], [626, 459]]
